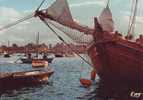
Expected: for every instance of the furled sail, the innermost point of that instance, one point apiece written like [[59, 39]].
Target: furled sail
[[105, 20], [60, 12], [59, 15]]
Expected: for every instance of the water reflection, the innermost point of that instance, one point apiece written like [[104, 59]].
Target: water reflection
[[114, 91]]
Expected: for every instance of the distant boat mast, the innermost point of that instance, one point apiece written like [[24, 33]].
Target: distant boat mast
[[37, 44], [108, 1]]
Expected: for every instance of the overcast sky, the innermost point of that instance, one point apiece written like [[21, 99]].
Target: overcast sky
[[82, 10]]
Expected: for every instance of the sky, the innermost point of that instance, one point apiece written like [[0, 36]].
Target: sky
[[82, 10]]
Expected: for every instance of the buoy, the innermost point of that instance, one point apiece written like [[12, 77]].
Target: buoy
[[93, 75], [85, 82]]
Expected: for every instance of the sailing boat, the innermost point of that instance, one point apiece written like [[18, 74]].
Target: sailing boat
[[113, 56], [38, 62], [29, 59], [116, 58]]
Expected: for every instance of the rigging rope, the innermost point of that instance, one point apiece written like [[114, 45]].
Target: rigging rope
[[75, 35], [23, 19], [40, 5], [132, 18], [17, 22], [64, 41]]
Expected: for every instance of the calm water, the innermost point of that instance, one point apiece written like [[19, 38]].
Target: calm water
[[64, 84]]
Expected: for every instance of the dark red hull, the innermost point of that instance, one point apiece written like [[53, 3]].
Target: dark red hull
[[21, 79], [116, 58]]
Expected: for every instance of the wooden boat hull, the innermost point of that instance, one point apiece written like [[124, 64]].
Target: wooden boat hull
[[22, 79], [58, 55], [26, 61], [38, 63], [123, 62], [116, 58]]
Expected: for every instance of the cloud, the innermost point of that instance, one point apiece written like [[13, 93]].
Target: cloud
[[24, 32], [88, 3], [9, 12]]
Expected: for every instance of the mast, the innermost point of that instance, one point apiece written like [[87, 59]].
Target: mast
[[37, 44], [132, 20], [8, 43], [108, 1], [105, 19]]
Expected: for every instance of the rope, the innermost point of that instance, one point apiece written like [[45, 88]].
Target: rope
[[22, 19], [132, 18], [40, 5], [77, 36], [65, 41], [17, 22]]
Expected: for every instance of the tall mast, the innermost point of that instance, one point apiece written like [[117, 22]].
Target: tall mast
[[37, 44], [37, 39], [132, 19], [8, 43], [108, 1]]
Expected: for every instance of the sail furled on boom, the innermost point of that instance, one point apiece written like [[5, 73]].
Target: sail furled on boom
[[105, 20], [60, 12], [59, 15]]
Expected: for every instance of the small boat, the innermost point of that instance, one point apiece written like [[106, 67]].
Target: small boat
[[58, 55], [6, 55], [21, 79], [85, 82], [26, 60], [29, 59], [38, 63]]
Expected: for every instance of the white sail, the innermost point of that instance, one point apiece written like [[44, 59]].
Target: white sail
[[105, 20], [59, 16], [60, 12]]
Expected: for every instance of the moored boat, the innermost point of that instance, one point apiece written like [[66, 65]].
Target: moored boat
[[38, 63], [115, 58], [21, 79], [58, 55], [6, 55], [29, 61], [26, 60]]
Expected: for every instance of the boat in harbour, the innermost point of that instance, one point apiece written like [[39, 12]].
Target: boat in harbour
[[28, 59], [6, 55], [38, 63], [16, 80], [115, 57]]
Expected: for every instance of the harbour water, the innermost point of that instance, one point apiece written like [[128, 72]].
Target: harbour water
[[64, 84]]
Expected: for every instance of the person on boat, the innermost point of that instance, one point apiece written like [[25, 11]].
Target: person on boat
[[29, 56], [44, 56], [118, 34], [129, 37], [140, 39]]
